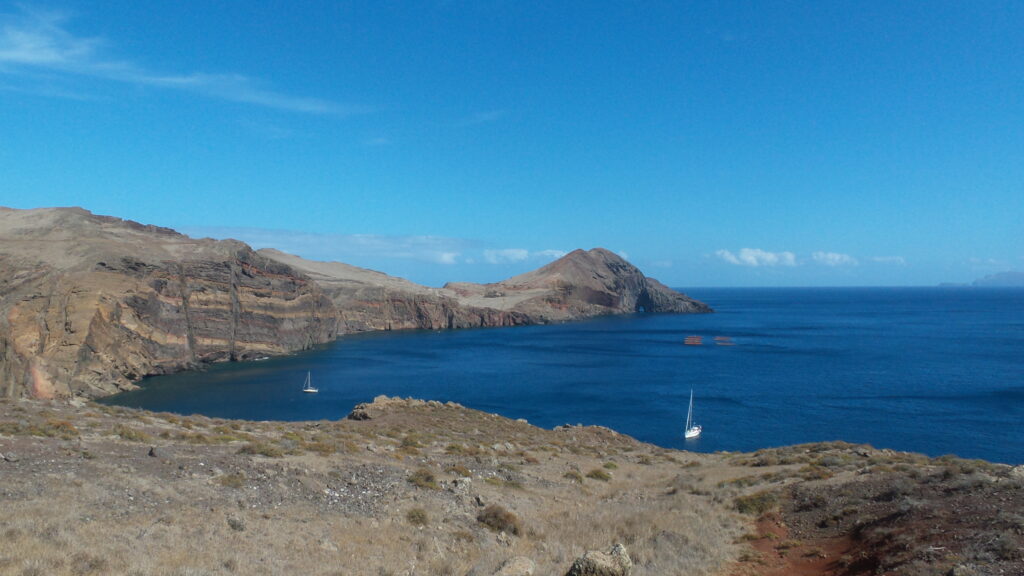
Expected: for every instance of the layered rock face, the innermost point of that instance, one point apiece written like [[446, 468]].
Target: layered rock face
[[89, 304]]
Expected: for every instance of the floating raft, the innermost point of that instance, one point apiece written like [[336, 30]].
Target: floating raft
[[699, 340]]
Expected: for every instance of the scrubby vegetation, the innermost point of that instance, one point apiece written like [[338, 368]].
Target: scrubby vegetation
[[99, 490], [497, 518]]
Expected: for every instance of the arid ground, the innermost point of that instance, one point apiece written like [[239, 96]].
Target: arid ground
[[427, 488]]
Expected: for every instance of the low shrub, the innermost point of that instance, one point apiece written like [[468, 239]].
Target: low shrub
[[235, 480], [573, 476], [131, 434], [262, 449], [598, 474], [459, 470], [417, 517], [756, 504], [499, 519], [423, 478]]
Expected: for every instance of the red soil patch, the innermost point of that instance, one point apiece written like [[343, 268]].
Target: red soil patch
[[779, 555]]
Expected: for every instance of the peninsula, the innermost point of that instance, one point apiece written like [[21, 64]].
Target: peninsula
[[91, 304]]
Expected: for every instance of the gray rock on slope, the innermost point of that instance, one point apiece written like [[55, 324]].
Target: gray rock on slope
[[615, 562], [518, 566]]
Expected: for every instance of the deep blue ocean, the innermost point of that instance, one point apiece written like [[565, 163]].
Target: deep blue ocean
[[932, 370]]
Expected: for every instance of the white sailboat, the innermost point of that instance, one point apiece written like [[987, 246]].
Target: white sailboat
[[308, 385], [692, 430]]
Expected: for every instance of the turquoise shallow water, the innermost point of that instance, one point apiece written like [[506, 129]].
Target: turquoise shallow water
[[930, 370]]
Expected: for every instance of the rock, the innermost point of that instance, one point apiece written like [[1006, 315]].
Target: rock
[[10, 457], [1017, 472], [236, 524], [615, 562], [962, 570], [460, 486], [518, 566], [503, 539]]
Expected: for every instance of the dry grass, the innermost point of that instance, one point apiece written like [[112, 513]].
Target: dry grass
[[207, 506], [499, 519]]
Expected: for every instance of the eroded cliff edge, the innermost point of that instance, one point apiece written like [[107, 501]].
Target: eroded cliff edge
[[89, 304]]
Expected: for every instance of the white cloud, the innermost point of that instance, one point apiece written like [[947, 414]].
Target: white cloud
[[506, 255], [833, 259], [757, 257], [551, 254], [447, 257], [897, 260], [623, 254], [34, 40]]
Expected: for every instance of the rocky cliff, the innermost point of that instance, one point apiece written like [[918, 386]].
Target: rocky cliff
[[89, 304]]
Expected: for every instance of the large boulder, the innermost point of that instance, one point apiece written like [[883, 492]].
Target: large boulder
[[615, 562]]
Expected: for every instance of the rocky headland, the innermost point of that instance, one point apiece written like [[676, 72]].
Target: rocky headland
[[90, 304]]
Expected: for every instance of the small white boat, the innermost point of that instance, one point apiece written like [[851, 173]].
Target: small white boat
[[692, 430], [308, 386]]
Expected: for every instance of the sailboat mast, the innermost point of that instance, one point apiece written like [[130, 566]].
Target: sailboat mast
[[689, 413]]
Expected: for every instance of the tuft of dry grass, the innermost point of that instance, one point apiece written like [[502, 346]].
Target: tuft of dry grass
[[757, 503], [262, 449], [499, 519], [417, 517], [131, 434], [423, 478]]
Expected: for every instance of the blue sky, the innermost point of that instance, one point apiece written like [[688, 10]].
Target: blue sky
[[712, 143]]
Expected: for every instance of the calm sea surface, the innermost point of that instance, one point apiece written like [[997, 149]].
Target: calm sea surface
[[932, 370]]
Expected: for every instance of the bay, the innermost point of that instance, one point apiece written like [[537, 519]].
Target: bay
[[931, 370]]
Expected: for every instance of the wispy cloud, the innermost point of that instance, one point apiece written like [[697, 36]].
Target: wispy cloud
[[436, 249], [550, 254], [485, 117], [506, 255], [374, 247], [897, 260], [757, 257], [33, 40], [833, 259]]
